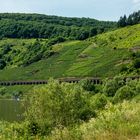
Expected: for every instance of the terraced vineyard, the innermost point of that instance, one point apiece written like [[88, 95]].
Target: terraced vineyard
[[100, 56]]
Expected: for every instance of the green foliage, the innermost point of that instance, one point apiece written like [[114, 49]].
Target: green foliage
[[88, 85], [57, 104], [136, 63], [132, 19], [2, 64], [138, 87], [115, 122], [124, 93], [34, 53], [99, 101], [55, 41], [66, 111], [124, 68], [70, 111], [43, 26], [6, 48], [111, 86], [123, 21], [136, 54], [119, 122], [17, 94], [2, 91]]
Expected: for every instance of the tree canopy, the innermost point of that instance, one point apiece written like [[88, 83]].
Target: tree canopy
[[43, 26], [132, 19]]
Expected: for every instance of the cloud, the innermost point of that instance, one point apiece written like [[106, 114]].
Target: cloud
[[99, 9], [136, 1], [136, 4]]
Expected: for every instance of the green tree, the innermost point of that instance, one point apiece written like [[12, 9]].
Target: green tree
[[57, 105], [2, 63], [123, 21], [112, 85], [124, 93]]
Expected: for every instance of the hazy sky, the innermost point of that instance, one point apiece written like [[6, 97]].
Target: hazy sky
[[99, 9]]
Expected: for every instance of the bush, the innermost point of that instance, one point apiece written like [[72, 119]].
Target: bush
[[132, 84], [111, 86], [124, 93], [55, 41], [2, 63], [124, 68], [98, 101], [7, 48], [57, 105], [138, 87], [17, 94], [87, 85], [135, 54], [136, 63], [2, 91]]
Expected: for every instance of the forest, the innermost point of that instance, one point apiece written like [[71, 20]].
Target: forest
[[43, 26], [132, 19]]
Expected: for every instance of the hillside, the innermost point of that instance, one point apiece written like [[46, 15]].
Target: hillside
[[102, 56], [15, 25], [99, 101]]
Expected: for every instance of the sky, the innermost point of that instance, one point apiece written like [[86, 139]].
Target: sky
[[109, 10]]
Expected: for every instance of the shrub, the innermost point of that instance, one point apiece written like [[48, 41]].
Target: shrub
[[17, 94], [2, 63], [55, 41], [98, 101], [132, 84], [135, 54], [87, 85], [136, 63], [124, 68], [111, 86], [124, 93], [138, 87], [57, 104], [2, 91], [7, 48]]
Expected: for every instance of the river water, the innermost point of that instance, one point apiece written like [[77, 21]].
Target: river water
[[11, 110]]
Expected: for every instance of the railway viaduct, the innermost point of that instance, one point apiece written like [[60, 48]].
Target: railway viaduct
[[41, 82], [68, 80]]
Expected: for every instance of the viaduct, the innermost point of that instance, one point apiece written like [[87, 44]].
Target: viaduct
[[69, 80]]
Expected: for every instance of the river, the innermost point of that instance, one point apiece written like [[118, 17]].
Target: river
[[11, 110]]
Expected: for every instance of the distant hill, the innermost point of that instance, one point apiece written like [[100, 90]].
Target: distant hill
[[15, 25], [104, 55]]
